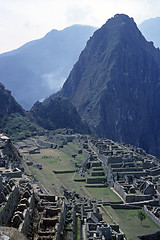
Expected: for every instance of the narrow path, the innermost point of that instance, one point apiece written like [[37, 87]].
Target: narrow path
[[117, 194]]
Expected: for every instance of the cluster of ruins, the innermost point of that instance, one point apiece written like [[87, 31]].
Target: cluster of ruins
[[92, 225], [132, 173]]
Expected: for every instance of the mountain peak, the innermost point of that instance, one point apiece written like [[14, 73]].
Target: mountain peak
[[120, 25], [51, 33], [121, 19], [115, 84]]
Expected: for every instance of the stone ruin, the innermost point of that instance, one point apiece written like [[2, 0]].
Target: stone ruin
[[92, 225], [16, 205], [8, 153], [10, 159], [9, 196], [48, 220], [131, 171], [24, 208]]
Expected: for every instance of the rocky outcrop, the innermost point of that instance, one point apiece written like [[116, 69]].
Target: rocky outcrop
[[50, 114], [57, 113], [115, 85], [8, 104]]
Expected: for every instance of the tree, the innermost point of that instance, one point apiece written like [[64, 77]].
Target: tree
[[141, 216]]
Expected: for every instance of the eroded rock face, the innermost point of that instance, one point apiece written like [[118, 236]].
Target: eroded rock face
[[8, 104], [115, 85]]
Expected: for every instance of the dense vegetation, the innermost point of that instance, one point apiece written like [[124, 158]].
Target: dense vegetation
[[57, 112], [18, 127]]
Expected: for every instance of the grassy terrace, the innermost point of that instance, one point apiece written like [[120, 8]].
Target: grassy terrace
[[75, 145], [51, 159], [70, 146], [104, 194], [130, 224], [54, 159]]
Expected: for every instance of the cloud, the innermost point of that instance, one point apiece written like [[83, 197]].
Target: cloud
[[139, 10], [22, 21], [77, 13], [53, 80]]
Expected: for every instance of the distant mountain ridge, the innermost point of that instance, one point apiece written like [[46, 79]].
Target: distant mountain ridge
[[115, 85], [39, 68], [150, 30]]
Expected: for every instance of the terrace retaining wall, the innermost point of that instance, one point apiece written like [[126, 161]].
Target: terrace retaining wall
[[152, 216]]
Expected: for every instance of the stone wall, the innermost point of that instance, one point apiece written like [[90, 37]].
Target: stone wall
[[153, 172], [13, 174], [93, 147], [63, 172], [24, 226], [135, 174], [125, 206], [152, 236], [86, 153], [137, 198], [127, 169], [96, 180], [60, 226], [152, 216], [96, 173], [129, 198], [6, 211], [1, 185], [27, 214], [96, 164]]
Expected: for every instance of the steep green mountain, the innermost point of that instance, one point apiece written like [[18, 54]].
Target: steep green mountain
[[115, 85], [18, 127], [57, 113], [12, 117], [39, 68], [150, 30], [50, 115]]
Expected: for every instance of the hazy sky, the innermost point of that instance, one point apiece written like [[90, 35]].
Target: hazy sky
[[24, 20]]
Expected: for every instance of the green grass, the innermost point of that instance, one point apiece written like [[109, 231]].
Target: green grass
[[70, 146], [53, 159], [130, 224], [77, 176], [18, 127], [104, 194], [73, 144]]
